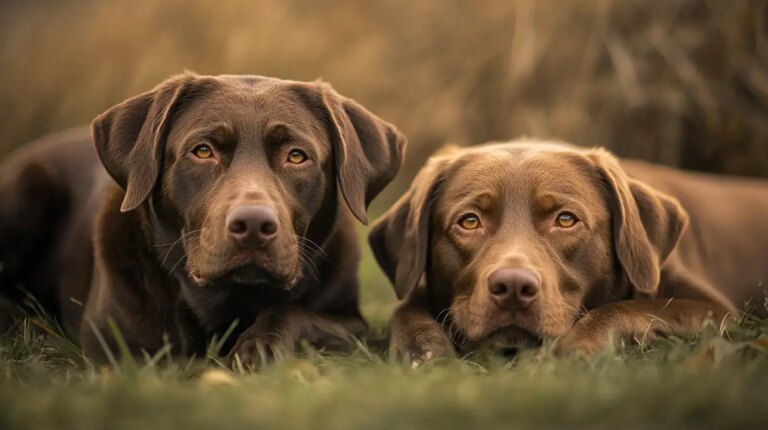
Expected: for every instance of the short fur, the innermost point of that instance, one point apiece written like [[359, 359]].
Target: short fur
[[650, 242], [137, 234]]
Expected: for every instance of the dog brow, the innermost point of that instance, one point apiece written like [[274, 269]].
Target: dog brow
[[219, 132]]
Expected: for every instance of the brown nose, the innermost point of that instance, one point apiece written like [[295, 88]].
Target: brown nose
[[513, 288], [252, 226]]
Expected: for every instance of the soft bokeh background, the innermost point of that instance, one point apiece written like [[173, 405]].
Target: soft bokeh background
[[683, 82]]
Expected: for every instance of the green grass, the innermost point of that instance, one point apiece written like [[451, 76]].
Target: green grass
[[706, 382], [714, 380]]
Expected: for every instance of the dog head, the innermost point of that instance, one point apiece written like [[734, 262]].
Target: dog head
[[242, 171], [514, 240]]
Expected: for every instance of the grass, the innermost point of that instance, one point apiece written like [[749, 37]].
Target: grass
[[705, 382], [711, 381]]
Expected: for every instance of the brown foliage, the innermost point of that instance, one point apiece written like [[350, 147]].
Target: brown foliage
[[684, 82]]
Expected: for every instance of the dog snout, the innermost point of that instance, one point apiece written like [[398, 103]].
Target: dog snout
[[252, 226], [513, 288]]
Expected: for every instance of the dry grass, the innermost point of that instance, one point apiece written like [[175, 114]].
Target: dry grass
[[684, 82]]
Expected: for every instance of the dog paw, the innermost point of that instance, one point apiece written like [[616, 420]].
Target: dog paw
[[419, 347], [571, 345], [255, 350], [579, 341]]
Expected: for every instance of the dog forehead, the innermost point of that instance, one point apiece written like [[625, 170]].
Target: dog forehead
[[251, 101], [249, 106], [568, 170], [521, 168], [472, 176]]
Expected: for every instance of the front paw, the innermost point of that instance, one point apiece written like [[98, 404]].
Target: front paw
[[418, 345], [274, 335], [586, 339], [256, 348], [575, 343]]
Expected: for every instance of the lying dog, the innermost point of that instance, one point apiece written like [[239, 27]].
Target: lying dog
[[233, 198], [514, 242]]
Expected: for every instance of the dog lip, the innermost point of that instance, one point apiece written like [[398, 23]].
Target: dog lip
[[513, 335], [243, 274], [197, 279]]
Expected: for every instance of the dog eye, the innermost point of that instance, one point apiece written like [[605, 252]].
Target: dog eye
[[203, 151], [469, 222], [296, 156], [566, 220]]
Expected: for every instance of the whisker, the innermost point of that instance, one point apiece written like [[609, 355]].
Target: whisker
[[173, 244], [308, 266], [442, 317], [313, 243], [308, 260], [313, 256], [454, 332], [312, 246], [186, 255], [456, 336], [177, 240], [167, 254], [177, 263], [443, 313], [450, 331]]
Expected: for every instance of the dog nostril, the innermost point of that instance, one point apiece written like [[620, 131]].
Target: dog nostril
[[237, 227], [252, 225], [513, 287], [528, 291], [269, 228], [497, 288]]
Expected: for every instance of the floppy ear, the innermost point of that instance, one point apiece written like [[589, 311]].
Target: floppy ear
[[130, 137], [647, 224], [400, 238], [368, 151]]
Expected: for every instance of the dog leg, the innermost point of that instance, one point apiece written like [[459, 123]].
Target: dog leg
[[278, 332], [638, 321], [416, 337]]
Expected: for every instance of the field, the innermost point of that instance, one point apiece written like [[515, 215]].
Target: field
[[708, 382], [715, 380], [681, 82]]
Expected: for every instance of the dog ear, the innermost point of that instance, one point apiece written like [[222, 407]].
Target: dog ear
[[647, 224], [368, 151], [400, 238], [130, 136]]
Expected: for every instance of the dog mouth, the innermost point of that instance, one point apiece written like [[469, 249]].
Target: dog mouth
[[509, 339], [246, 274]]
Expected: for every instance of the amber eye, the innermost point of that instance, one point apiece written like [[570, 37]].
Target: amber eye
[[203, 151], [296, 157], [566, 220], [469, 222]]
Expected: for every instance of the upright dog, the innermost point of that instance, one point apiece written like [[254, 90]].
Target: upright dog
[[514, 242], [220, 198]]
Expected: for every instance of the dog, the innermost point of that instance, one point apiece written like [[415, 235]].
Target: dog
[[507, 244], [206, 202]]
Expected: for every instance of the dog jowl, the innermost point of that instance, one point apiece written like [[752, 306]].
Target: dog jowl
[[235, 199], [510, 244]]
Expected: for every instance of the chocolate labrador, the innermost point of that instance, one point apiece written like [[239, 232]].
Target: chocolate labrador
[[511, 243], [220, 198]]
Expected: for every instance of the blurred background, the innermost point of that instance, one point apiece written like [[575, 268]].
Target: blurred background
[[681, 82]]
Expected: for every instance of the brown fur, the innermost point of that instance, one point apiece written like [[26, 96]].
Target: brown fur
[[638, 263], [163, 262]]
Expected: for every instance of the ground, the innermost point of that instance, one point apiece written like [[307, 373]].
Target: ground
[[712, 381]]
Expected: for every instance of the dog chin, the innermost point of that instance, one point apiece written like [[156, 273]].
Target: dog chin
[[512, 337], [246, 274]]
